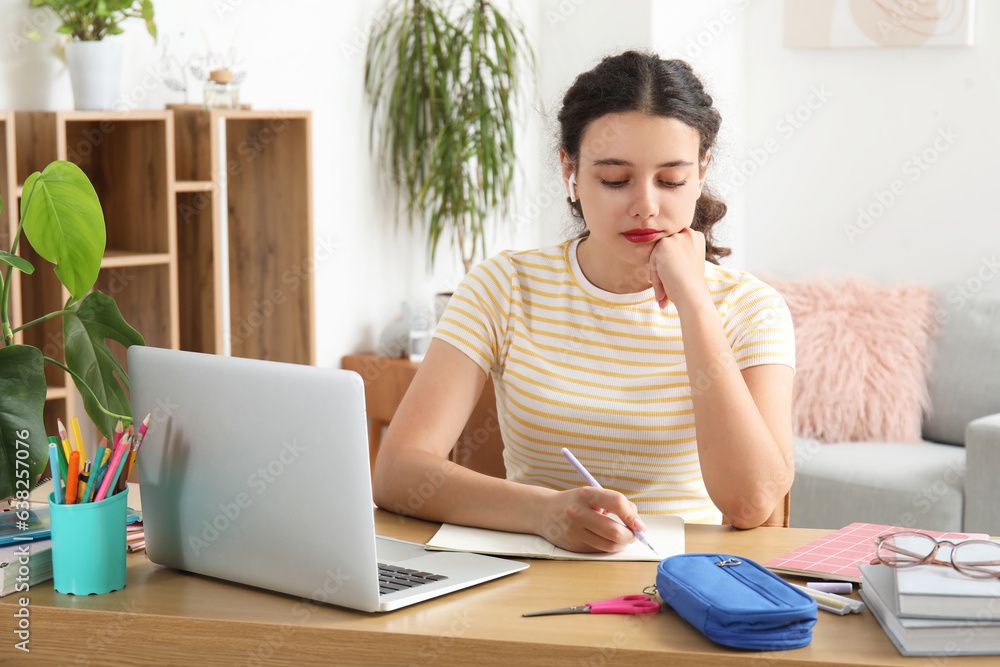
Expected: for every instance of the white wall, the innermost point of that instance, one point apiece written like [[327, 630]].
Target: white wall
[[924, 119]]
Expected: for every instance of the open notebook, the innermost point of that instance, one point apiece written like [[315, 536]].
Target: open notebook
[[665, 533]]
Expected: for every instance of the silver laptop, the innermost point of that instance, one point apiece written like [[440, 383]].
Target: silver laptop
[[257, 472]]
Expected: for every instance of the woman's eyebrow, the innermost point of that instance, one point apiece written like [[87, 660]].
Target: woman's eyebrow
[[615, 162]]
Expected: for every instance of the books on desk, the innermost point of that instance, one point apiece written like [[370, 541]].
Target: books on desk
[[24, 564], [665, 533], [923, 636], [944, 592]]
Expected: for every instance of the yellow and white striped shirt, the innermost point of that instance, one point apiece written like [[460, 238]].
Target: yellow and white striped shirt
[[602, 373]]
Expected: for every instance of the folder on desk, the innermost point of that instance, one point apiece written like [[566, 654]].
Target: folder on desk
[[665, 533]]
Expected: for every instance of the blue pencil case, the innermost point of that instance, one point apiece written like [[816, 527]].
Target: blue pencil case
[[736, 602]]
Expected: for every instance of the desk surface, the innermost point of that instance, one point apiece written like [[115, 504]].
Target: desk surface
[[168, 617]]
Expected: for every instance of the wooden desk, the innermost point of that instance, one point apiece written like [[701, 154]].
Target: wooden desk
[[168, 617], [386, 379]]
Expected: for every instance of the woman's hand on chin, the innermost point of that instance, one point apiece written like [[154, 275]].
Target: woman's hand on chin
[[677, 267]]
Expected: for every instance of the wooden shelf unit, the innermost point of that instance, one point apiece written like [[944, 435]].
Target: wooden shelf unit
[[245, 202], [173, 184]]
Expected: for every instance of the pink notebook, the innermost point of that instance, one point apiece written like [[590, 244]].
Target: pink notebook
[[836, 556]]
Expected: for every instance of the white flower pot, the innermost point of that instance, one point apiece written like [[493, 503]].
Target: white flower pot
[[95, 70]]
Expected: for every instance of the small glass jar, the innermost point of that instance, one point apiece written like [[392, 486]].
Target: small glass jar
[[221, 90]]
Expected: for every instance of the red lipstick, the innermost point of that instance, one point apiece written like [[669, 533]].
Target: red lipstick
[[642, 235]]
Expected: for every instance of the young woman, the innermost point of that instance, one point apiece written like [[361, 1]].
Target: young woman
[[668, 376]]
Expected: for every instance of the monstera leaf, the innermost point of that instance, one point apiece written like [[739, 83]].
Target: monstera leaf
[[96, 370], [64, 222], [22, 390]]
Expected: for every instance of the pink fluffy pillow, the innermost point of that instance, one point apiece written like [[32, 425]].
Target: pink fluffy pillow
[[862, 356]]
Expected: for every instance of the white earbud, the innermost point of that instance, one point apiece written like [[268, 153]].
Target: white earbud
[[572, 186]]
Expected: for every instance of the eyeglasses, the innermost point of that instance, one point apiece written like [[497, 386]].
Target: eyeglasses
[[973, 558]]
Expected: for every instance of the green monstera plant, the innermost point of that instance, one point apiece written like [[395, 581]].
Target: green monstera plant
[[62, 219]]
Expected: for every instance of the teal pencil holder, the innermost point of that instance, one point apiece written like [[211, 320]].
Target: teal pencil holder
[[88, 545]]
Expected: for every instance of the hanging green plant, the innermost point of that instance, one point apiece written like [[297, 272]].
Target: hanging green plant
[[443, 81]]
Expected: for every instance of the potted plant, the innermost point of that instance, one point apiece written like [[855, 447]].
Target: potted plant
[[95, 63], [442, 82], [61, 218]]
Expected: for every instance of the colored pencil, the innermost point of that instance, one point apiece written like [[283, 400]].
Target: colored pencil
[[61, 456], [137, 546], [64, 439], [73, 479], [142, 429], [54, 464], [135, 450], [107, 481], [118, 434], [103, 471], [117, 473], [82, 484], [74, 425], [94, 470]]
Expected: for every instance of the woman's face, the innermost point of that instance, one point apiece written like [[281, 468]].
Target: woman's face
[[638, 179]]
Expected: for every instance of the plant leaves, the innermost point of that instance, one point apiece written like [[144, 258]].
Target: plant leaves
[[442, 88], [22, 402], [86, 331], [17, 262], [64, 223]]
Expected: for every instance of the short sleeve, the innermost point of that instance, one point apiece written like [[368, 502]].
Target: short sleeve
[[477, 315], [758, 325]]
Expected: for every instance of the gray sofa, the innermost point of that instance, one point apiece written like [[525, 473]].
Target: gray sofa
[[948, 482]]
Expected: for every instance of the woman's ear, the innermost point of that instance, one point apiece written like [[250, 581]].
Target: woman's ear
[[703, 169], [568, 171]]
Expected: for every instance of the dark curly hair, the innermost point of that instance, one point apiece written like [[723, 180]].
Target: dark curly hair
[[642, 82]]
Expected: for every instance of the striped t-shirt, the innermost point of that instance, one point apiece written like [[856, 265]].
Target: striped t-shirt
[[602, 373]]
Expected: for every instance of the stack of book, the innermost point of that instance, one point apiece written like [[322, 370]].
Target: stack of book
[[25, 549], [24, 564], [934, 610]]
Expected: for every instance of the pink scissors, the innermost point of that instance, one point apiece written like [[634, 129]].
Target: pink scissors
[[625, 604]]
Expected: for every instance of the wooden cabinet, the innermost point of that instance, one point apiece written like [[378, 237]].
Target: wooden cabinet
[[209, 228]]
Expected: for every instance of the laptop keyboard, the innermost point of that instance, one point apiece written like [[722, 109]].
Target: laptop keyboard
[[392, 578]]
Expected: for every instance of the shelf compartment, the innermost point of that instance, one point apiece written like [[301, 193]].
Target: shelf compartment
[[145, 299], [270, 262], [127, 162], [194, 152], [196, 271]]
